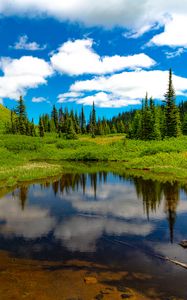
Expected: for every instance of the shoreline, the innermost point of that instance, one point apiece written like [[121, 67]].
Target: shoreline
[[25, 159], [32, 172]]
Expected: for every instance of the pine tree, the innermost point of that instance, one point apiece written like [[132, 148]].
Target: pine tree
[[147, 120], [113, 129], [136, 128], [83, 121], [173, 125], [93, 121], [120, 127], [70, 134], [156, 132], [32, 129], [22, 117], [77, 124], [41, 127], [54, 117]]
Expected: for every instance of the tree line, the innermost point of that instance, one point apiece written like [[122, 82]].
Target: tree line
[[151, 122]]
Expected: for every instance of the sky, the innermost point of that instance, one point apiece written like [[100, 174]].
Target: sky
[[71, 53]]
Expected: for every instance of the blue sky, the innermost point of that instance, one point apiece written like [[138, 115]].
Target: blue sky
[[71, 54]]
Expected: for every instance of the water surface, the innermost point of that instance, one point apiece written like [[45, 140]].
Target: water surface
[[104, 219]]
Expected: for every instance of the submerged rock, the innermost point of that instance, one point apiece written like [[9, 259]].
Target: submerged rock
[[183, 243], [90, 280]]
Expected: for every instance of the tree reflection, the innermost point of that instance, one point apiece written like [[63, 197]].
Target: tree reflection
[[23, 193], [150, 192], [171, 194]]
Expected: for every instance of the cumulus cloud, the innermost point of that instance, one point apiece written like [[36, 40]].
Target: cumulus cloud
[[138, 16], [127, 87], [78, 57], [24, 44], [70, 96], [81, 233], [39, 100], [31, 223], [103, 99], [172, 54], [174, 33], [22, 74]]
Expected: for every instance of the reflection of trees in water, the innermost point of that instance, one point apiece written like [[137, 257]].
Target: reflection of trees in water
[[171, 194], [73, 182], [150, 192], [23, 193]]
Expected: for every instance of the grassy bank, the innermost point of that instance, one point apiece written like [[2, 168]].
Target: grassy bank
[[26, 158]]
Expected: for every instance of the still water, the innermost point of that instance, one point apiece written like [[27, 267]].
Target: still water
[[118, 222]]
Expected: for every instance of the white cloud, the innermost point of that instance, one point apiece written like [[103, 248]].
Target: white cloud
[[174, 34], [39, 99], [127, 87], [31, 223], [70, 96], [78, 57], [80, 233], [102, 99], [137, 15], [24, 44], [172, 54], [22, 74], [126, 13]]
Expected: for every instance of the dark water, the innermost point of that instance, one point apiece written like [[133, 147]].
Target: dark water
[[119, 222]]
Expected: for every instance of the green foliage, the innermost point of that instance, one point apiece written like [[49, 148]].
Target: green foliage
[[163, 156], [20, 143]]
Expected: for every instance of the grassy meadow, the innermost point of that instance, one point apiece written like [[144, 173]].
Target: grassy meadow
[[25, 158]]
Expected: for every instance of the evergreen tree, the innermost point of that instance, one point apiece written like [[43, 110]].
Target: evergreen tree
[[93, 121], [22, 117], [83, 121], [120, 127], [156, 132], [113, 129], [54, 117], [41, 127], [136, 128], [32, 129], [70, 134], [173, 125], [147, 120]]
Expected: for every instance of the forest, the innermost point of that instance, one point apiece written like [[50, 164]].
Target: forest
[[151, 122]]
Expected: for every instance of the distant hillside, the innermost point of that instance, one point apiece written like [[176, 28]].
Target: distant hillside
[[4, 117]]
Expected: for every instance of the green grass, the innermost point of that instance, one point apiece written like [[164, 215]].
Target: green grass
[[26, 158]]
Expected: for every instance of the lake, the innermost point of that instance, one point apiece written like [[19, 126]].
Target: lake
[[108, 227]]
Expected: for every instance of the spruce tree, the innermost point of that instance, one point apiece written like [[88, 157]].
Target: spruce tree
[[83, 121], [173, 125], [136, 128], [146, 120], [22, 117], [70, 134], [93, 121], [41, 127], [54, 117]]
